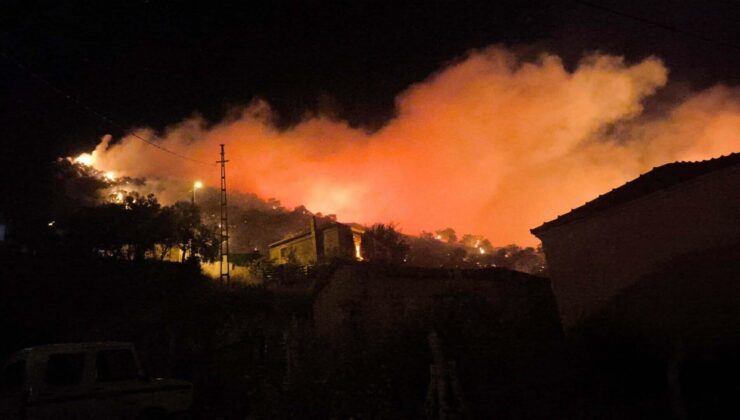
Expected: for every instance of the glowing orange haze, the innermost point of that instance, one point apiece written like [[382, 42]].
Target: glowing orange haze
[[490, 145]]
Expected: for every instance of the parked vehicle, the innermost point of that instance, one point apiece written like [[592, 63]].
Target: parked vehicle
[[86, 381]]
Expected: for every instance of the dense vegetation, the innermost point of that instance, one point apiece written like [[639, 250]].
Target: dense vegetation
[[92, 213]]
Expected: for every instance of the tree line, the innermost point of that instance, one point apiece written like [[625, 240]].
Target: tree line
[[98, 216], [137, 227]]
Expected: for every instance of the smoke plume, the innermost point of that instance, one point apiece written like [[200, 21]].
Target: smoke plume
[[491, 144]]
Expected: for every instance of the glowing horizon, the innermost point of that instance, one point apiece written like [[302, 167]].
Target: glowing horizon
[[490, 145]]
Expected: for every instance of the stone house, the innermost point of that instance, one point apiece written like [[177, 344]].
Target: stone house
[[319, 244], [598, 250]]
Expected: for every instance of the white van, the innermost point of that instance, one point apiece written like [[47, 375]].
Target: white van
[[86, 381]]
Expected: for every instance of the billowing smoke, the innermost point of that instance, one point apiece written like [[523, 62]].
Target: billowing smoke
[[491, 144]]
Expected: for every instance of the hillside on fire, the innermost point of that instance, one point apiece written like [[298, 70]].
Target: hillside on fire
[[98, 213]]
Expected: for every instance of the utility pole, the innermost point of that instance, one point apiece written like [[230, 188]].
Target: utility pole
[[224, 226]]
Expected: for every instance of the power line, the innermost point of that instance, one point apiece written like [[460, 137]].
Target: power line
[[93, 112], [658, 24]]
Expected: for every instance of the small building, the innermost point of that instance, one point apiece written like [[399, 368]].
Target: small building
[[319, 244], [598, 250]]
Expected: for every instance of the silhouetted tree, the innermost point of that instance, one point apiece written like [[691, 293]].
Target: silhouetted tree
[[474, 243], [206, 242], [75, 186], [97, 230], [186, 223], [383, 243], [166, 226], [529, 260], [457, 257], [447, 235], [179, 225], [138, 226], [427, 251], [141, 231]]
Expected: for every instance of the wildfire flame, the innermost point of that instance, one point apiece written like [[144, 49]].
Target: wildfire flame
[[86, 159]]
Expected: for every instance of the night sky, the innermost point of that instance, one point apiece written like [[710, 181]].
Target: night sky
[[147, 63]]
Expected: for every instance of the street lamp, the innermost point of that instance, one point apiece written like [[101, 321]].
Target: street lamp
[[196, 185]]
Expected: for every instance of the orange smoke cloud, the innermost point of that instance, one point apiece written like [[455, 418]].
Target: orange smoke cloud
[[491, 145]]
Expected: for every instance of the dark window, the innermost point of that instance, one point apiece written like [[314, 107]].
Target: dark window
[[13, 376], [116, 365], [65, 369], [283, 252]]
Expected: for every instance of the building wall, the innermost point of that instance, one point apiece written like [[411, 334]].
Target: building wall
[[376, 302], [338, 242], [302, 249], [593, 259]]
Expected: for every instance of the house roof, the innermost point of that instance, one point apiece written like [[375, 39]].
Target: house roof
[[659, 178], [290, 239], [354, 226]]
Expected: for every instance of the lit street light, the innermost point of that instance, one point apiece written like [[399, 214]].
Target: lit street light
[[196, 185]]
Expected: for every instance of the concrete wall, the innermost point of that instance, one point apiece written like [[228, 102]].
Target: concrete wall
[[376, 302], [593, 259]]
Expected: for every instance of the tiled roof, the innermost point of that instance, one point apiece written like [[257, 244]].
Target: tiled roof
[[657, 179], [319, 228], [290, 239]]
